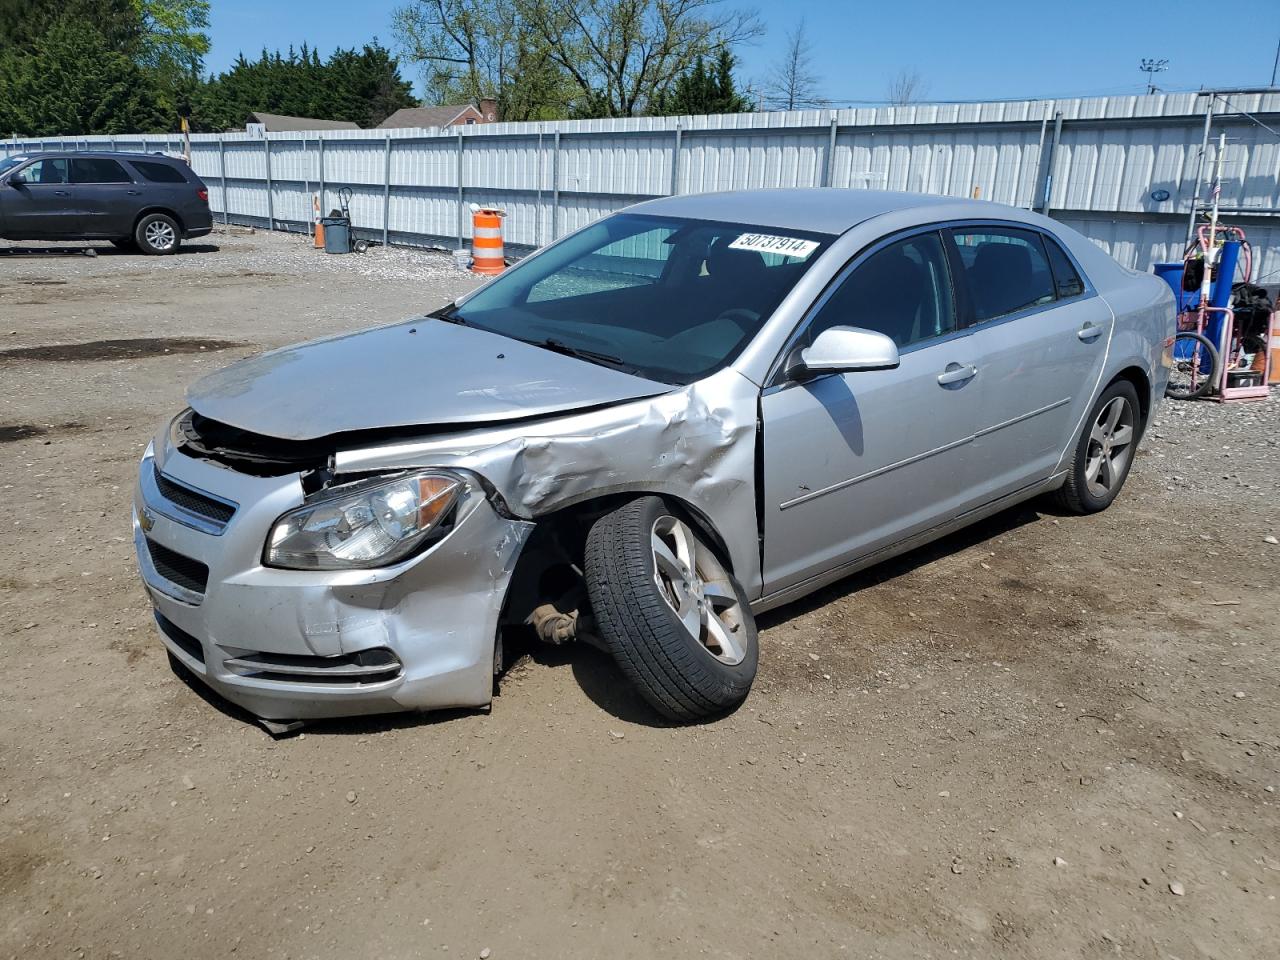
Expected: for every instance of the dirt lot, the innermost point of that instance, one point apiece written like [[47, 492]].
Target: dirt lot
[[1045, 737]]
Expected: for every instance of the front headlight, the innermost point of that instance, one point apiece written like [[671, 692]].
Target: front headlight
[[372, 523]]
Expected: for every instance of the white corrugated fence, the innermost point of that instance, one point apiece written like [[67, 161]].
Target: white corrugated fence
[[1122, 170]]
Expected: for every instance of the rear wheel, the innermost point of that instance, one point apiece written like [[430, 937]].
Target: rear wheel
[[1104, 451], [669, 611], [1196, 367], [157, 234]]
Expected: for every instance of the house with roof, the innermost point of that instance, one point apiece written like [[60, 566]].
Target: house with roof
[[449, 115], [260, 123]]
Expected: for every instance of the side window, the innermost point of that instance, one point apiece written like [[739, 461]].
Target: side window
[[1006, 270], [158, 172], [633, 261], [96, 170], [1066, 280], [50, 170], [903, 291]]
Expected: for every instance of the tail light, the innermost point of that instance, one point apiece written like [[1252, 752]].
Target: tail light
[[203, 194]]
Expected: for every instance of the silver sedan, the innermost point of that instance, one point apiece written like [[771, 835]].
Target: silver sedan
[[677, 417]]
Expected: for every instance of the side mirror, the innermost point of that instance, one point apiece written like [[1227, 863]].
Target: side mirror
[[17, 180], [843, 350]]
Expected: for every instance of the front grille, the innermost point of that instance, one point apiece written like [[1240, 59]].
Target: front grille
[[366, 666], [217, 512], [174, 567], [180, 638]]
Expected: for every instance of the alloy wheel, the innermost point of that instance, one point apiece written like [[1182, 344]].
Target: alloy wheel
[[697, 588], [1110, 447], [160, 235]]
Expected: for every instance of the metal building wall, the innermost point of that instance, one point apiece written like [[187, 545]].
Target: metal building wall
[[1101, 168]]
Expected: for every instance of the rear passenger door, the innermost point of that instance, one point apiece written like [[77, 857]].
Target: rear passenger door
[[108, 194], [1040, 334]]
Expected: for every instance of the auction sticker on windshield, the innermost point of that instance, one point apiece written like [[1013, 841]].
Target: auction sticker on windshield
[[766, 243]]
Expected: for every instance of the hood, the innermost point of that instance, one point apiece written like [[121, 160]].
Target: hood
[[418, 373]]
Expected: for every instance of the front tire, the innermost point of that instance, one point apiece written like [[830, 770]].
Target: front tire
[[674, 618], [1104, 451], [157, 234]]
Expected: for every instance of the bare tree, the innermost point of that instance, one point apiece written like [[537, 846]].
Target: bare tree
[[907, 86], [623, 55], [793, 84]]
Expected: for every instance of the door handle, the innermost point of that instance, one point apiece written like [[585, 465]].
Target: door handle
[[62, 193], [134, 193], [957, 373], [1090, 332]]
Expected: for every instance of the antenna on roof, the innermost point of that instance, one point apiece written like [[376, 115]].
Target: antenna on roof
[[1151, 67]]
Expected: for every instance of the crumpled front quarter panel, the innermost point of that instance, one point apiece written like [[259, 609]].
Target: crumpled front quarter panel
[[696, 444]]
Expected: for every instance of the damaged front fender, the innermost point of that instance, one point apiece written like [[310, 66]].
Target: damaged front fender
[[696, 444]]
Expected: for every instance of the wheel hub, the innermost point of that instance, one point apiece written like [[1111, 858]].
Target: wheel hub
[[698, 590]]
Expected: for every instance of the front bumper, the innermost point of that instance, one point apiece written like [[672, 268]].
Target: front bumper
[[436, 613]]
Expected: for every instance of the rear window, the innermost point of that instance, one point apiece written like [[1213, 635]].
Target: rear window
[[1006, 270], [97, 170], [1065, 276], [158, 172]]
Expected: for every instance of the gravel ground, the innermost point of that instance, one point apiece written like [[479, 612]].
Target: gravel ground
[[1044, 737]]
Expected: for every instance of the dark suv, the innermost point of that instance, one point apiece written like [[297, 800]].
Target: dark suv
[[144, 201]]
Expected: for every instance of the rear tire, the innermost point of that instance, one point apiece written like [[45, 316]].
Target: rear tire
[[1104, 451], [157, 234], [674, 618]]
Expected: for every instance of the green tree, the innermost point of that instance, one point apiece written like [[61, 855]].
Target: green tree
[[701, 90], [98, 66], [50, 93], [469, 50], [364, 86]]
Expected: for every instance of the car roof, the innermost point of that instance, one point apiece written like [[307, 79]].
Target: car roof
[[98, 154], [829, 210]]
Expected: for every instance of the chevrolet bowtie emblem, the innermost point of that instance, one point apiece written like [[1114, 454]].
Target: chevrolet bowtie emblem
[[145, 520]]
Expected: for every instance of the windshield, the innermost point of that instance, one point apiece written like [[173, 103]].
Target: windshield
[[666, 298], [8, 163]]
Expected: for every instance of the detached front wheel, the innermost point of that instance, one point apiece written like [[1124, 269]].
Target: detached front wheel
[[673, 617]]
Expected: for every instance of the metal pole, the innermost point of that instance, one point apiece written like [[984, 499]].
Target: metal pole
[[538, 205], [675, 162], [555, 189], [461, 218], [1275, 64], [320, 175], [222, 172], [1047, 182], [386, 194], [306, 191], [271, 207], [1204, 153], [1044, 127], [828, 168]]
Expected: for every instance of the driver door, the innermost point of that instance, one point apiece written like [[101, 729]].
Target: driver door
[[41, 205], [858, 461]]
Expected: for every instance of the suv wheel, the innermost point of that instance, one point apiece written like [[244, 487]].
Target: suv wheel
[[157, 233], [673, 617]]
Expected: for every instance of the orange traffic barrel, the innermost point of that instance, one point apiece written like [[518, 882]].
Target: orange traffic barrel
[[486, 240]]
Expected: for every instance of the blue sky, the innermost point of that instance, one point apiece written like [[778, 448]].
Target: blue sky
[[963, 50]]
